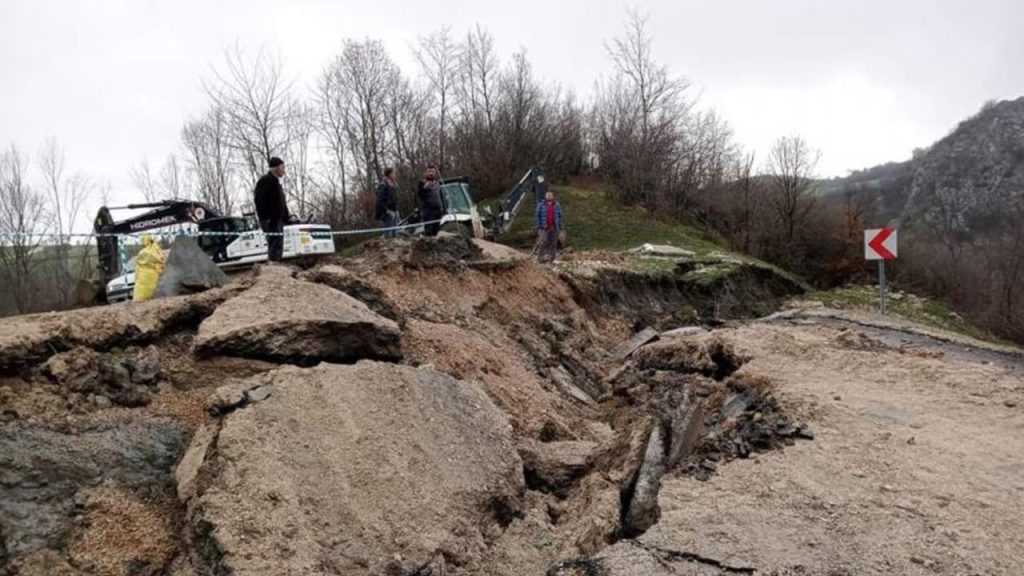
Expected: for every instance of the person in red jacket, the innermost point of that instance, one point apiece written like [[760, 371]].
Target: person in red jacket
[[549, 227]]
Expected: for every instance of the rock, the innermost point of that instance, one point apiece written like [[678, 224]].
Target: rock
[[145, 370], [663, 250], [188, 270], [124, 380], [560, 376], [228, 397], [805, 433], [188, 468], [1010, 403], [31, 339], [342, 468], [786, 431], [627, 348], [676, 354], [687, 425], [642, 510], [355, 286], [684, 332], [287, 320], [259, 394], [555, 466]]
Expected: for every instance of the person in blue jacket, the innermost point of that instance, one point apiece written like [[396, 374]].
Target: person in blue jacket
[[549, 227]]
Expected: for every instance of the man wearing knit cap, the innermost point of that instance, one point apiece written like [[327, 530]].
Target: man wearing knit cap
[[271, 208]]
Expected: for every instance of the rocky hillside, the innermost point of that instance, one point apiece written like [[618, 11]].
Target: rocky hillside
[[965, 182]]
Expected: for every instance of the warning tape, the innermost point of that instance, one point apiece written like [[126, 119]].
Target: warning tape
[[197, 233]]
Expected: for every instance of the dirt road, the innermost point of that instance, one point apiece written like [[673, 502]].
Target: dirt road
[[916, 467]]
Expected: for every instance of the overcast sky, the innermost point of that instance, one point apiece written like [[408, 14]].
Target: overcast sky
[[865, 81]]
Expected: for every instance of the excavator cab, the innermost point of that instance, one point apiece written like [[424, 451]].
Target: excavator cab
[[460, 212], [227, 229]]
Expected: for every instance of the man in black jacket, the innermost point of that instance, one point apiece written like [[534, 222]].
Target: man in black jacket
[[387, 202], [428, 197], [271, 207]]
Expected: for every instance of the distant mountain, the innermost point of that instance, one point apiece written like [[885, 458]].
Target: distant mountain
[[967, 182]]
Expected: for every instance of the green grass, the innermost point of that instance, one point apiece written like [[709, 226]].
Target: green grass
[[921, 310], [593, 222]]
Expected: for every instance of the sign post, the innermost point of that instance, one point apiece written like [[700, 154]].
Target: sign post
[[880, 244]]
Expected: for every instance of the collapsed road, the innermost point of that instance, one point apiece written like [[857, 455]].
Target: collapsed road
[[446, 407]]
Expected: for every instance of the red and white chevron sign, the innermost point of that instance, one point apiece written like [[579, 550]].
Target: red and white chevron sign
[[880, 244]]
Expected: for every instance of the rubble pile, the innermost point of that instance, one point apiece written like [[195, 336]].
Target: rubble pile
[[423, 408]]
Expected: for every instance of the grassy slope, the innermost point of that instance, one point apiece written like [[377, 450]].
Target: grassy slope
[[594, 222], [921, 310]]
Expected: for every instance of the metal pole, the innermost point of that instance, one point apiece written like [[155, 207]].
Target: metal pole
[[881, 286]]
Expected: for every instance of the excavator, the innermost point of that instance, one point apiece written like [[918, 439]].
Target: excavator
[[462, 215], [238, 242]]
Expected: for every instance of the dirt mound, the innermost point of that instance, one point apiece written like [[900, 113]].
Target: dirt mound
[[288, 320], [364, 469], [447, 252]]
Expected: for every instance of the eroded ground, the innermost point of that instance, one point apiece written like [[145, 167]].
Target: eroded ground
[[494, 422]]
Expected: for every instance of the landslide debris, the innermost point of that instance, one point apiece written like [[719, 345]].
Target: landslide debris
[[513, 440], [28, 340], [371, 468], [288, 320]]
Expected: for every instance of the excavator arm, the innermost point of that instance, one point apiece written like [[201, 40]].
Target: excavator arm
[[511, 202], [160, 214]]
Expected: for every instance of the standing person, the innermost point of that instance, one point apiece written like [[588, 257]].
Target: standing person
[[271, 207], [428, 197], [549, 226], [387, 203]]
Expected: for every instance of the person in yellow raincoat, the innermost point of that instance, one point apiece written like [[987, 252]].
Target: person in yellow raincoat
[[149, 264]]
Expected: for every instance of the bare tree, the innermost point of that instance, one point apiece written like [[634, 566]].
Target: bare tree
[[23, 218], [301, 184], [142, 177], [66, 196], [478, 71], [438, 55], [331, 124], [357, 87], [640, 121], [791, 166], [206, 141], [256, 99], [173, 181]]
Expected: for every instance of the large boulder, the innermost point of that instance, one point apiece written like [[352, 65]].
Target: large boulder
[[371, 468], [188, 270], [288, 320]]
